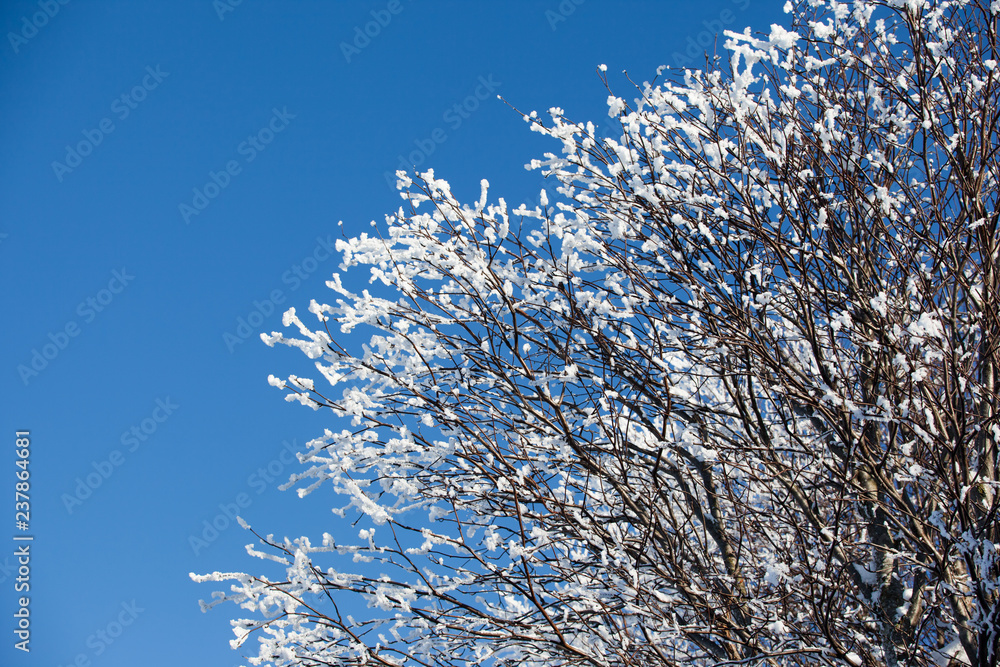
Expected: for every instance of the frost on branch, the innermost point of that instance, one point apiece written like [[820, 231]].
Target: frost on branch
[[729, 397]]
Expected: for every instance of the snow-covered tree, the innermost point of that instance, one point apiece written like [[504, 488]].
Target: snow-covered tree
[[730, 397]]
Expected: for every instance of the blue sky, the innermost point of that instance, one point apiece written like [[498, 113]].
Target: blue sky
[[173, 179]]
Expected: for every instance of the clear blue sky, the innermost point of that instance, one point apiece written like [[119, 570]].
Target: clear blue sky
[[172, 170]]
